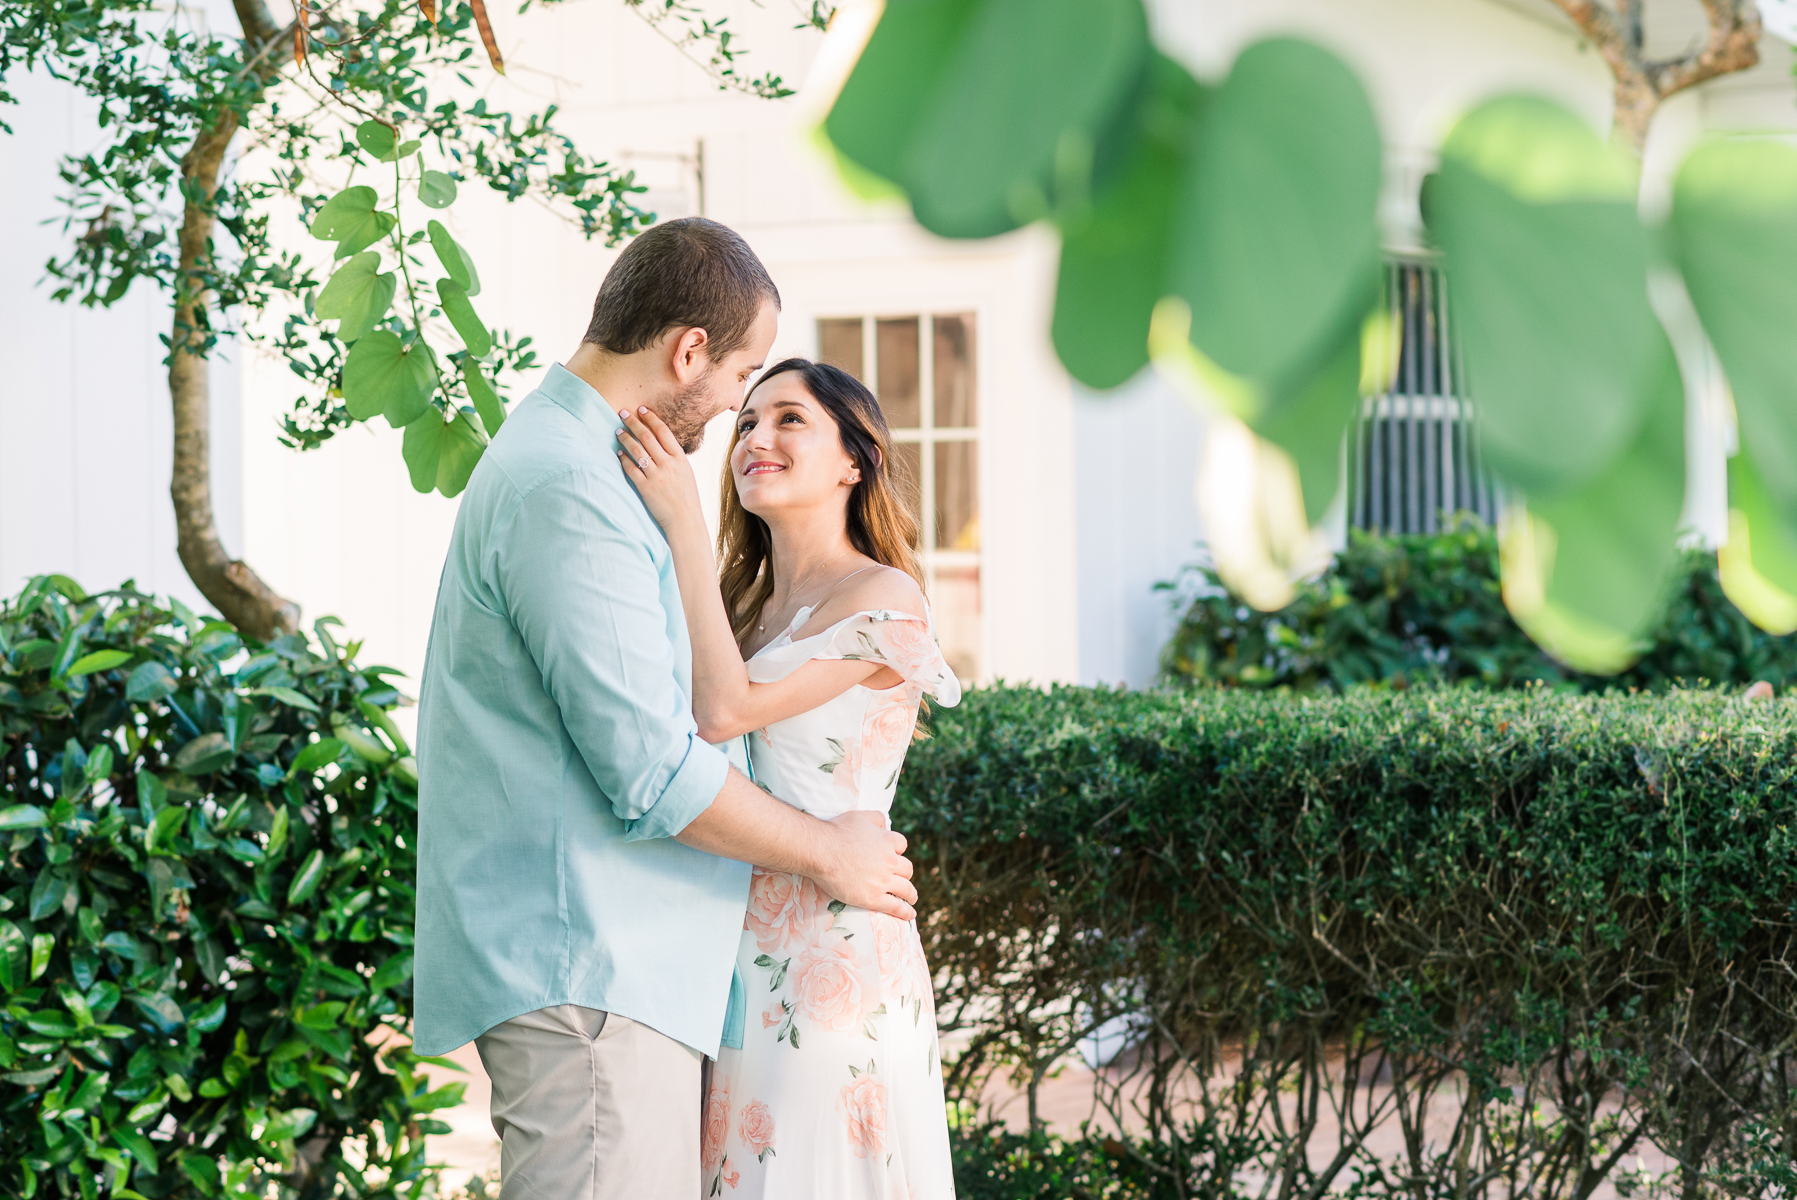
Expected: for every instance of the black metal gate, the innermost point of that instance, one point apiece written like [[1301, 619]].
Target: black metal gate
[[1413, 453]]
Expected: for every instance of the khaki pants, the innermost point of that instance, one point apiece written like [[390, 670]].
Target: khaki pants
[[592, 1106]]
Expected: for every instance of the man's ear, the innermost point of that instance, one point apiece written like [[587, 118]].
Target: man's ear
[[690, 354]]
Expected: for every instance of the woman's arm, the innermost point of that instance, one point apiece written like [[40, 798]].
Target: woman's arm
[[725, 703]]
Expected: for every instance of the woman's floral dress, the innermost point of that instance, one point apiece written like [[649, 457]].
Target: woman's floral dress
[[837, 1091]]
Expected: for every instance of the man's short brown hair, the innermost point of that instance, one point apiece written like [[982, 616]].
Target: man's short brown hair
[[690, 273]]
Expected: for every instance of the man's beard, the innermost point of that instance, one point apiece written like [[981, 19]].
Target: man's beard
[[685, 415]]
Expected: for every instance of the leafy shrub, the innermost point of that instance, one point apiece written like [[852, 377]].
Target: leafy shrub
[[205, 910], [1553, 929], [1422, 608]]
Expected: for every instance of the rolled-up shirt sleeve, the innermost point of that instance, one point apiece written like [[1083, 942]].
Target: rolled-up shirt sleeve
[[583, 592]]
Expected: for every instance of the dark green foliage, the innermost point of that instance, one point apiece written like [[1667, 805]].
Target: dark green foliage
[[1403, 610], [1564, 923], [205, 909]]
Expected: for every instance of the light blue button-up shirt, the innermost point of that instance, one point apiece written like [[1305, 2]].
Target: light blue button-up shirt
[[557, 754]]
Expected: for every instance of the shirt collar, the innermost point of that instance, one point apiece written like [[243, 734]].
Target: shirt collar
[[579, 397]]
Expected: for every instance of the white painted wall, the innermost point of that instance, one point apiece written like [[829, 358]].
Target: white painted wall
[[84, 411]]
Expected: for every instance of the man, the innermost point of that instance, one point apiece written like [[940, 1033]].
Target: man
[[582, 866]]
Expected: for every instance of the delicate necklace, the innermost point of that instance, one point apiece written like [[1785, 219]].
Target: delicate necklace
[[762, 627]]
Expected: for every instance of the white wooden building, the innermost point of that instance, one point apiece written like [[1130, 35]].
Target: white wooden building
[[1050, 512]]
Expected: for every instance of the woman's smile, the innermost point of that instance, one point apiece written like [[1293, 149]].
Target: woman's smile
[[762, 467]]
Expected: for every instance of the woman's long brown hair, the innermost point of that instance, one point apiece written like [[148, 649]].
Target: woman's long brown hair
[[880, 522]]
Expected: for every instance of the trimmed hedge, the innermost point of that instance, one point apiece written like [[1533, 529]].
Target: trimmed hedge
[[1428, 608], [1566, 921], [205, 910]]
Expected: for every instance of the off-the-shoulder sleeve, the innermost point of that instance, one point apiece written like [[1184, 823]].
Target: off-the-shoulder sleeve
[[901, 641]]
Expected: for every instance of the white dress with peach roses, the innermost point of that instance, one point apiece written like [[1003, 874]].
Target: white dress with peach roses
[[837, 1091]]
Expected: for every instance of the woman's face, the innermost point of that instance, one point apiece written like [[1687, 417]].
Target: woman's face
[[788, 454]]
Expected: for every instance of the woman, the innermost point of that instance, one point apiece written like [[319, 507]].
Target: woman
[[817, 641]]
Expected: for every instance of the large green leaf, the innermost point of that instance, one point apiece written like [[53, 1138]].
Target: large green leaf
[[1276, 245], [486, 400], [1758, 563], [1307, 423], [455, 260], [993, 106], [1114, 252], [358, 295], [1547, 271], [1734, 223], [382, 376], [352, 219], [461, 314], [441, 454], [1603, 553]]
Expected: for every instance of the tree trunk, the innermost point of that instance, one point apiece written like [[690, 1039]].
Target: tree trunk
[[241, 596]]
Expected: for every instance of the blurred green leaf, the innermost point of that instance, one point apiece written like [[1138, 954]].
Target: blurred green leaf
[[1734, 226], [99, 660], [358, 295], [1114, 253], [1547, 268], [1606, 551], [1275, 246], [1046, 76], [319, 754], [204, 754], [378, 138], [436, 190], [382, 376], [1308, 424], [393, 972], [151, 681], [22, 816], [1758, 564]]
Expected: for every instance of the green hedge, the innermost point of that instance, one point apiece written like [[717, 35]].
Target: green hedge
[[1506, 905], [1424, 608], [205, 910]]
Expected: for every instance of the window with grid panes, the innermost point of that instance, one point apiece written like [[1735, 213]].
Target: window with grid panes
[[921, 369]]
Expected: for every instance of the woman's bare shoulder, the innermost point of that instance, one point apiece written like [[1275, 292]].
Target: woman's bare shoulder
[[875, 589]]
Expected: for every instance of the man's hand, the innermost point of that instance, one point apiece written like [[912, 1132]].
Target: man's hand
[[865, 866]]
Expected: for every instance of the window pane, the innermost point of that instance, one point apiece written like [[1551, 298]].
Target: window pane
[[957, 496], [954, 390], [897, 359], [955, 603], [907, 476], [839, 344]]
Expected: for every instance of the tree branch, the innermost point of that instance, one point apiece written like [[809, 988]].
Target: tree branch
[[1642, 86]]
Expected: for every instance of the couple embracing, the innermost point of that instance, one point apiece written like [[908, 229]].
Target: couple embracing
[[686, 978]]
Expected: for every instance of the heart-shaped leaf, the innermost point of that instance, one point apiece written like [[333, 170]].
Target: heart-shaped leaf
[[1046, 76], [1734, 221], [357, 296], [384, 376], [1547, 271], [1276, 245], [1114, 253], [382, 141], [352, 219], [441, 454]]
